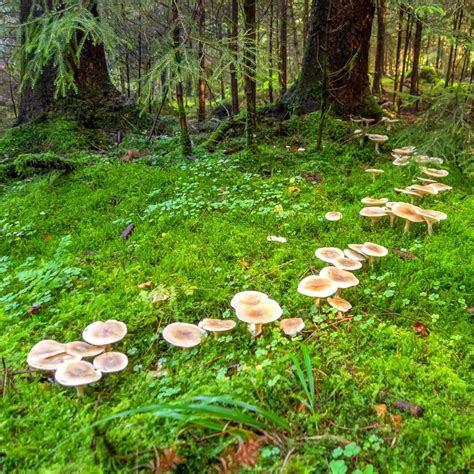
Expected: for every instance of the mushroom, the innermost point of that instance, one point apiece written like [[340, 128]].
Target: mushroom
[[361, 135], [423, 190], [104, 333], [426, 180], [433, 172], [373, 202], [265, 312], [183, 334], [367, 121], [251, 298], [346, 263], [373, 213], [372, 250], [340, 304], [374, 172], [217, 325], [340, 278], [83, 349], [110, 362], [413, 194], [408, 212], [51, 363], [377, 139], [354, 255], [393, 217], [333, 216], [389, 122], [46, 348], [317, 287], [292, 326], [432, 217], [440, 186], [401, 160], [406, 150], [328, 254], [77, 373]]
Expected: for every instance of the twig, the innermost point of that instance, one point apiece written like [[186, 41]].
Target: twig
[[165, 95], [287, 458]]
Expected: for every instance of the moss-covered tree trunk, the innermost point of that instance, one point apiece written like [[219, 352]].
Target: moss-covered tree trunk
[[250, 69], [345, 26]]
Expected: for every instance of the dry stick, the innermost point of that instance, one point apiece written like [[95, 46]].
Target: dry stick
[[165, 95], [287, 458]]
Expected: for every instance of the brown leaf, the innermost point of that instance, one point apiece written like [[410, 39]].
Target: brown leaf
[[421, 329], [34, 309], [415, 410], [131, 155], [396, 419], [168, 461], [127, 232], [145, 284], [47, 237], [381, 410], [470, 310], [244, 263], [246, 455], [312, 177]]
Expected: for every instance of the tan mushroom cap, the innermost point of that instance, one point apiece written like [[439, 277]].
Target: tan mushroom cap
[[46, 348], [374, 171], [265, 312], [83, 349], [340, 304], [373, 201], [346, 263], [433, 216], [440, 186], [433, 172], [401, 161], [367, 120], [354, 255], [328, 254], [316, 286], [372, 212], [374, 250], [250, 298], [110, 362], [407, 211], [217, 325], [333, 216], [407, 191], [355, 247], [405, 150], [426, 180], [103, 333], [76, 373], [183, 334], [51, 363], [292, 326], [377, 138], [341, 278], [420, 189]]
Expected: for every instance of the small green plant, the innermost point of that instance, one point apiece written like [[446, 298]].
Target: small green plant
[[306, 378]]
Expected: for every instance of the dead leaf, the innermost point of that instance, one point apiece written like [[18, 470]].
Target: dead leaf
[[131, 155], [167, 461], [47, 237], [396, 419], [470, 310], [244, 263], [421, 329], [312, 177], [415, 410], [145, 284], [246, 455], [128, 231], [381, 410], [34, 309]]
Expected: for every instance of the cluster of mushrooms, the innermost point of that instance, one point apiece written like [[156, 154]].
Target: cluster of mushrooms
[[362, 133], [426, 186], [66, 360]]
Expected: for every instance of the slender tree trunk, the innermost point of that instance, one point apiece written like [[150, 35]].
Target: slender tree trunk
[[416, 57], [127, 73], [202, 63], [451, 49], [139, 86], [270, 54], [234, 85], [397, 54], [456, 43], [405, 53], [283, 53], [438, 54], [305, 21], [347, 35], [380, 53], [296, 47], [250, 71]]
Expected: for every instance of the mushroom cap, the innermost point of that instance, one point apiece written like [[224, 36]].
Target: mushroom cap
[[77, 372], [374, 250], [354, 255], [333, 216], [46, 348], [217, 325], [433, 216], [265, 312], [374, 171], [377, 138], [341, 278], [292, 326], [405, 150], [426, 180], [51, 363], [317, 286], [433, 172], [420, 189], [407, 211], [372, 212], [183, 334], [110, 362], [102, 333], [407, 191], [356, 247], [340, 304], [367, 120], [346, 263], [250, 298], [401, 161], [440, 186], [83, 349], [373, 201], [328, 254]]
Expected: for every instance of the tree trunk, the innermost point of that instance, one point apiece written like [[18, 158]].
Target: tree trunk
[[36, 99], [416, 57], [283, 53], [345, 27], [438, 54], [202, 63], [305, 21], [250, 70], [296, 48], [397, 54], [456, 32], [234, 85], [270, 54], [405, 53], [380, 53]]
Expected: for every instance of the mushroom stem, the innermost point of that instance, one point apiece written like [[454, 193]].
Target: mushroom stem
[[371, 261], [80, 390], [255, 329], [430, 227], [406, 229], [317, 302], [361, 141], [108, 348], [373, 177], [393, 218], [338, 292], [377, 148]]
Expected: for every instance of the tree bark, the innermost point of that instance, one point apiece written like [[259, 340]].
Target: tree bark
[[270, 54], [283, 52], [397, 54], [380, 53], [202, 63], [234, 85], [416, 57], [345, 27], [250, 70]]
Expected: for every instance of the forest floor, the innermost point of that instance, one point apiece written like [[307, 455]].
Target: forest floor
[[200, 237]]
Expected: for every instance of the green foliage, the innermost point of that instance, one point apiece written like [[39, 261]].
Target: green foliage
[[30, 163], [429, 74], [306, 377]]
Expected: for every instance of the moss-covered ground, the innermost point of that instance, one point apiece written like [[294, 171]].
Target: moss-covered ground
[[200, 237]]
